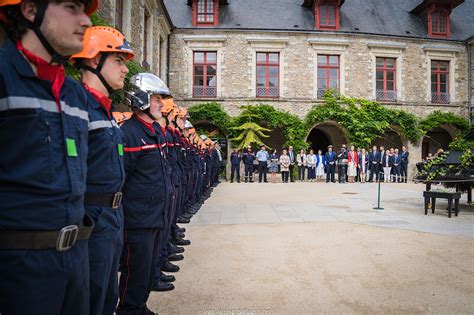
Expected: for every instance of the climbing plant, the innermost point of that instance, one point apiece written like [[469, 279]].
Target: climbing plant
[[213, 113], [363, 120], [292, 127], [438, 118], [250, 133]]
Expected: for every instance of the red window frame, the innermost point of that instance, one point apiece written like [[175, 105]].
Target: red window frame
[[119, 14], [322, 10], [208, 21], [267, 64], [328, 78], [386, 95], [438, 96], [205, 76], [438, 18]]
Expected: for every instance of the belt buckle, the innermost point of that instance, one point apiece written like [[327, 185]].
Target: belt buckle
[[117, 200], [67, 238]]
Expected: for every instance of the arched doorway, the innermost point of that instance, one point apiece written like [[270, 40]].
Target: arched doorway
[[213, 132], [435, 139], [324, 134], [276, 139], [390, 139]]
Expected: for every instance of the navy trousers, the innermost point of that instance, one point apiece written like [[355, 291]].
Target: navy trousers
[[105, 247], [138, 262], [166, 234], [45, 281]]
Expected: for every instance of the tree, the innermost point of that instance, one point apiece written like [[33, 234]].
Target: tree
[[250, 133]]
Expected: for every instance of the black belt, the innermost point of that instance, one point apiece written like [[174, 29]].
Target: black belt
[[103, 200], [61, 240]]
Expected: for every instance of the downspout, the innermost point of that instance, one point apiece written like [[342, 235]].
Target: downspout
[[469, 80], [168, 52]]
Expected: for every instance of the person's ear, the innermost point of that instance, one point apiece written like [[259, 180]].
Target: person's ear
[[28, 10]]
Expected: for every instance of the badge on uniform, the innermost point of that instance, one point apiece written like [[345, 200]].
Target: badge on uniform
[[120, 149], [71, 147]]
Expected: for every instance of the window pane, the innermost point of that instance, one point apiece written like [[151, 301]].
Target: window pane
[[198, 70], [333, 73], [443, 66], [434, 78], [333, 60], [211, 57], [331, 15], [198, 57], [211, 70], [333, 84], [273, 58], [321, 73], [323, 11], [434, 87], [210, 17], [379, 62], [390, 86], [443, 88], [273, 81], [443, 78], [434, 65], [261, 71], [379, 85], [260, 81], [322, 60], [322, 84], [261, 57], [390, 75], [211, 81], [210, 6], [273, 71], [198, 81], [390, 63], [379, 75]]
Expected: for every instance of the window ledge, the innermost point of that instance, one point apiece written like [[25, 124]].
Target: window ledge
[[438, 48], [390, 45], [204, 38]]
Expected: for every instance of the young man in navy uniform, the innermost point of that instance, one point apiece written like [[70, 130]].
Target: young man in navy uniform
[[248, 157], [144, 193], [44, 266], [103, 70]]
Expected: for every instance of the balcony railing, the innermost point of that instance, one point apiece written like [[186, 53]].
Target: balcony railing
[[201, 91], [441, 98], [322, 92], [267, 92], [388, 96]]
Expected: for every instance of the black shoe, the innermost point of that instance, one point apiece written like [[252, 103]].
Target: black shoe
[[162, 287], [175, 257], [146, 311], [182, 220], [178, 235], [181, 229], [176, 249], [167, 278], [238, 181], [181, 242], [169, 267]]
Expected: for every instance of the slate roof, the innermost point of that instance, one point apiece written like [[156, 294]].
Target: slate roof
[[382, 17]]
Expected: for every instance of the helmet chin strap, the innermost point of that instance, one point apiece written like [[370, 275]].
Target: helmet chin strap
[[36, 27], [97, 71]]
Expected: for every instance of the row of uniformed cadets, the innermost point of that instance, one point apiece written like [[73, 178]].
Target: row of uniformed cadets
[[65, 166]]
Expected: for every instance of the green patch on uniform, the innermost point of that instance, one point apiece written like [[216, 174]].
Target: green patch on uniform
[[71, 147]]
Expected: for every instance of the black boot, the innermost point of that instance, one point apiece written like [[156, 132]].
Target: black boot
[[175, 257], [162, 286], [181, 242], [169, 267], [167, 278]]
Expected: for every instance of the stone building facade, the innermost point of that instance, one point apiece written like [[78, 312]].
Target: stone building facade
[[408, 33], [147, 26]]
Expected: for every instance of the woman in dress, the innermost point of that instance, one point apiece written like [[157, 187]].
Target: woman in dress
[[320, 162], [352, 163], [285, 166], [311, 164], [273, 165], [363, 164], [301, 160]]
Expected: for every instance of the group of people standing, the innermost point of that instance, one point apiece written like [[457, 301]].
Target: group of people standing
[[83, 194], [352, 165]]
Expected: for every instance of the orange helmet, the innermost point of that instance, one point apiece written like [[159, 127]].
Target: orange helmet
[[192, 131], [122, 117], [99, 39], [168, 105], [90, 5], [183, 112]]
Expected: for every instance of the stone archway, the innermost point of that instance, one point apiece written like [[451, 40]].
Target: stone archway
[[326, 133], [390, 139], [437, 138]]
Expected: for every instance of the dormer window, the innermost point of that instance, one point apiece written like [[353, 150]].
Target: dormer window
[[438, 23], [327, 14], [205, 12]]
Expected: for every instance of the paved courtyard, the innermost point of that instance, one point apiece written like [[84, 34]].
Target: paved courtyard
[[320, 248]]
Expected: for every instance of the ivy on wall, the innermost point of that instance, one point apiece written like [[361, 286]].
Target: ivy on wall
[[213, 113], [437, 119]]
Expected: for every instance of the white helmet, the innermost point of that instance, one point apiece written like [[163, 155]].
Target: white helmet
[[203, 137], [188, 124], [143, 86]]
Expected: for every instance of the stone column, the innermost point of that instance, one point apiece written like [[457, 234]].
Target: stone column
[[415, 156]]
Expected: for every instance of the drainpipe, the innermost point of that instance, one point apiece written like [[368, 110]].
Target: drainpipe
[[168, 50], [469, 79]]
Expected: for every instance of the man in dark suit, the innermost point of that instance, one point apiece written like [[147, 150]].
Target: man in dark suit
[[374, 158], [330, 158], [404, 164], [342, 165], [291, 154], [396, 165]]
